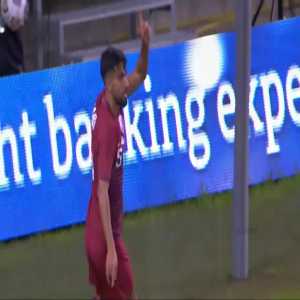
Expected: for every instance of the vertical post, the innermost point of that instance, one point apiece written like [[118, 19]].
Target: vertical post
[[39, 23], [61, 34], [280, 9], [173, 17], [240, 207], [132, 29]]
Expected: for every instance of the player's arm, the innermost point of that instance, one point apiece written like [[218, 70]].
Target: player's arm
[[140, 72], [104, 164], [111, 261]]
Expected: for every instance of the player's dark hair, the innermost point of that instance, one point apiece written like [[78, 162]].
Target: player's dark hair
[[110, 58]]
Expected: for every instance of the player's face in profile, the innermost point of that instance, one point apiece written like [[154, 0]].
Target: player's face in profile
[[120, 85]]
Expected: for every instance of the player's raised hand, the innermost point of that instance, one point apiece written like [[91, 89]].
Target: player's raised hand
[[143, 29]]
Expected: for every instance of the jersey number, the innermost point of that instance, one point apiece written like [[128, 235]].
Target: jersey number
[[119, 156]]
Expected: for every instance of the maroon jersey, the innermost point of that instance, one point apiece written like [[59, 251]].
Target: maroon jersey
[[107, 153]]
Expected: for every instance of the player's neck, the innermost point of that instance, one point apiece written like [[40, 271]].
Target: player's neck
[[114, 108]]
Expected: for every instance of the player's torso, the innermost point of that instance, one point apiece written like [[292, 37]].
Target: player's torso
[[116, 131], [115, 126]]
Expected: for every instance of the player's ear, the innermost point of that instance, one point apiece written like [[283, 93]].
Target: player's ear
[[109, 85], [108, 82]]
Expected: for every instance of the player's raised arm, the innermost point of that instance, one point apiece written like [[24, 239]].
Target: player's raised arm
[[140, 72]]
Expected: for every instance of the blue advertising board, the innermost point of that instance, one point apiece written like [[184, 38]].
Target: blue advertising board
[[179, 128]]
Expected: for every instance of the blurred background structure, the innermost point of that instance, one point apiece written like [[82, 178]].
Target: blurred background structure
[[62, 32]]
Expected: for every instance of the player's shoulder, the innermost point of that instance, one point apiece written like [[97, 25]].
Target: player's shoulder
[[99, 107], [101, 116]]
